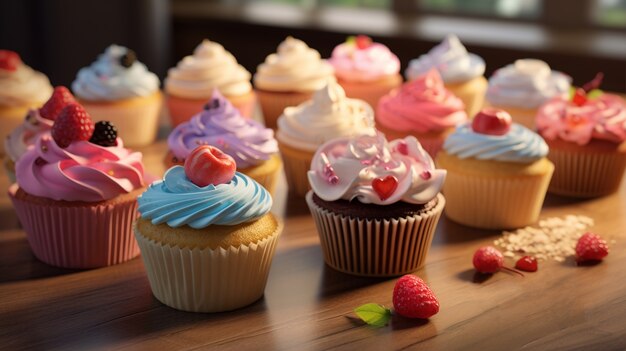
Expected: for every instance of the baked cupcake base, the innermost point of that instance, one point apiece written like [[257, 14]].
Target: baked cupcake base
[[273, 103], [371, 92], [471, 92], [136, 119], [591, 170], [182, 109], [374, 243], [492, 194], [212, 269], [78, 234], [297, 163]]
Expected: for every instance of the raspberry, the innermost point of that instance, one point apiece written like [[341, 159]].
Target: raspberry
[[72, 124], [60, 98], [9, 60], [527, 264], [591, 247], [104, 134], [488, 259], [412, 298]]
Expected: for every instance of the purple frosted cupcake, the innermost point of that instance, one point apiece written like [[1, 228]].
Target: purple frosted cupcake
[[221, 125]]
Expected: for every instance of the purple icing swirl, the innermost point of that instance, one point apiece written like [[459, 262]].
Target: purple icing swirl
[[221, 125]]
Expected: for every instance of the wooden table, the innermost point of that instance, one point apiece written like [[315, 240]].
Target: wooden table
[[308, 306]]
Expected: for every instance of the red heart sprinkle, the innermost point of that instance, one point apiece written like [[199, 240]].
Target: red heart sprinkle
[[384, 187]]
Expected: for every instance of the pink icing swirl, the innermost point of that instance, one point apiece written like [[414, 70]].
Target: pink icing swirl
[[363, 65], [422, 105], [602, 118], [81, 172]]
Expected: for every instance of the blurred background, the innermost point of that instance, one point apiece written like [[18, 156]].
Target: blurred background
[[579, 37]]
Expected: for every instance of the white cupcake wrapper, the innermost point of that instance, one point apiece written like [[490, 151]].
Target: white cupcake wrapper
[[375, 248], [208, 280]]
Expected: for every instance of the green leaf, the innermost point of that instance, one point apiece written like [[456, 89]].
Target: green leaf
[[373, 314], [572, 91], [594, 94], [351, 40]]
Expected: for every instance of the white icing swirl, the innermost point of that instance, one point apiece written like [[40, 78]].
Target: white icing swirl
[[107, 80], [526, 83], [295, 67], [210, 66], [357, 163], [330, 114], [452, 61], [25, 135], [24, 86]]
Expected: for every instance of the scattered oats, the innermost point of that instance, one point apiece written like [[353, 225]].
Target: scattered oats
[[555, 238]]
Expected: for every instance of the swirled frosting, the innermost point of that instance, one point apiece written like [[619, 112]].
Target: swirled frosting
[[221, 125], [526, 83], [294, 67], [422, 105], [177, 201], [347, 168], [601, 118], [210, 67], [330, 114], [25, 135], [366, 64], [80, 172], [452, 61], [520, 144], [23, 86], [107, 80]]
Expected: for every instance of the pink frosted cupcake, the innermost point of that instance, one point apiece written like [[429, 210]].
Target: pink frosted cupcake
[[423, 108], [76, 193], [190, 84], [587, 138], [364, 69]]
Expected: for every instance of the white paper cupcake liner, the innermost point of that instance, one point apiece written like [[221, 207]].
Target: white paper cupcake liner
[[375, 248], [208, 280]]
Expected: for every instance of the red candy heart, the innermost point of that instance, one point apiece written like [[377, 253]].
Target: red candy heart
[[384, 187], [209, 165]]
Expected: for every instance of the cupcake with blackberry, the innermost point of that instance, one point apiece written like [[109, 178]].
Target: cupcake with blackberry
[[365, 70], [423, 108], [304, 128], [219, 124], [119, 88], [206, 235], [21, 88], [191, 83], [587, 137], [76, 193], [462, 71], [498, 172], [376, 204]]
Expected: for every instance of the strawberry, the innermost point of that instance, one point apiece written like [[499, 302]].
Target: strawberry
[[72, 124], [412, 298], [527, 264], [9, 60], [580, 97], [591, 247], [60, 98]]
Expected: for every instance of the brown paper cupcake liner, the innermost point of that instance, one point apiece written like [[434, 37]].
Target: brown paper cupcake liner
[[296, 165], [495, 202], [375, 248], [591, 174], [78, 236], [274, 103], [208, 280]]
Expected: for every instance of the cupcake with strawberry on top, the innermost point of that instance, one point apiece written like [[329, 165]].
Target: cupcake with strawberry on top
[[76, 193], [586, 133], [366, 70]]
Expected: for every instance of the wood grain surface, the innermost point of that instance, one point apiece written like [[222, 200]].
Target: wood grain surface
[[308, 306]]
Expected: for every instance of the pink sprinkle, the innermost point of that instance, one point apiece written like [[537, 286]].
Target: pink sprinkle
[[403, 148], [425, 175], [333, 179]]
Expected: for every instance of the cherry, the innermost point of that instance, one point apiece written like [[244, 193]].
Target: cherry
[[527, 264], [492, 121], [9, 60], [209, 165], [580, 97], [363, 42]]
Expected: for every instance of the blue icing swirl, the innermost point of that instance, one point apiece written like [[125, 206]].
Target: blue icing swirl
[[177, 201], [520, 144]]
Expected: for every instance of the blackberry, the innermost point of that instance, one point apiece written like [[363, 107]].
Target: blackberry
[[104, 134], [128, 58]]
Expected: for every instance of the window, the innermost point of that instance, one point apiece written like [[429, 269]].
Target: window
[[529, 9], [610, 13]]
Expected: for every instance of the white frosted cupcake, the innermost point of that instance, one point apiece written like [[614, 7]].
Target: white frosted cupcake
[[120, 89], [289, 77], [462, 72], [190, 84], [302, 129], [522, 87]]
